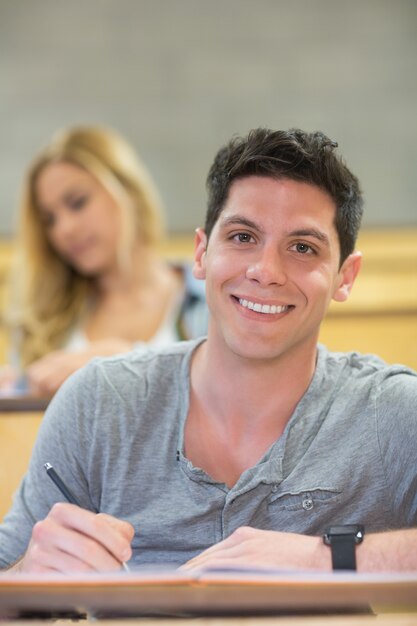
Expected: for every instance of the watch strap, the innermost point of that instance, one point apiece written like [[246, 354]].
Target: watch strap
[[343, 540], [343, 550]]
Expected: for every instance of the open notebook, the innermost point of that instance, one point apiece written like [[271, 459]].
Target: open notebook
[[205, 592]]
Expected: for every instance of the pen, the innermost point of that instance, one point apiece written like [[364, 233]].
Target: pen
[[60, 484], [66, 492]]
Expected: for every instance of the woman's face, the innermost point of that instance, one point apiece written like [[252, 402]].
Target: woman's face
[[82, 220]]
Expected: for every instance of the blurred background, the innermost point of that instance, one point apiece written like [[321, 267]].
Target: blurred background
[[178, 78]]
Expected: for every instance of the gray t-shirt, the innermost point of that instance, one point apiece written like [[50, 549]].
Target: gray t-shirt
[[114, 432]]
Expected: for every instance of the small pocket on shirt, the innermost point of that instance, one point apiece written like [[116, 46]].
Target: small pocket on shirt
[[305, 500]]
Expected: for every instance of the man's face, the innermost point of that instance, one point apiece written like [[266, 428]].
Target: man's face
[[271, 267]]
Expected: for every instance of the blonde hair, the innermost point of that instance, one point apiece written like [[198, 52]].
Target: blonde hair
[[48, 296]]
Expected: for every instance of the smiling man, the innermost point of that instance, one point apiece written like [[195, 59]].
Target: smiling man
[[255, 445], [272, 263]]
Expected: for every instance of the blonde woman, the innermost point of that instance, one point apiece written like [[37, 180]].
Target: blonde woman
[[88, 279]]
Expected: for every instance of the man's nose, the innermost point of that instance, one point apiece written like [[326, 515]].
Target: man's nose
[[267, 268]]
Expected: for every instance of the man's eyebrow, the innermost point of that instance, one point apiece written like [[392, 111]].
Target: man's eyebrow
[[310, 232], [238, 220]]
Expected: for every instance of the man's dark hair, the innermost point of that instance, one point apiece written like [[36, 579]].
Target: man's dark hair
[[296, 155]]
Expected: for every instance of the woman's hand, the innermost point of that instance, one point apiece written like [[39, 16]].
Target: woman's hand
[[8, 378], [71, 539], [47, 374]]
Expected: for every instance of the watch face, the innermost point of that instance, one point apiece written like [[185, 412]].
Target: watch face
[[342, 541], [356, 531]]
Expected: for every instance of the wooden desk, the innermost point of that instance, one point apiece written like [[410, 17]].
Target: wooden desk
[[201, 593], [393, 619], [383, 619], [17, 434], [386, 619]]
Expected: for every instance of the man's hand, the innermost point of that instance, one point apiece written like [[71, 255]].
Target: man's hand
[[71, 539], [251, 547]]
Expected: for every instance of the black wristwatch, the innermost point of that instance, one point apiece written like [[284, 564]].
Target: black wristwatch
[[342, 541]]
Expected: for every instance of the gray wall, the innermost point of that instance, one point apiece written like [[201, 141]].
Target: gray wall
[[178, 77]]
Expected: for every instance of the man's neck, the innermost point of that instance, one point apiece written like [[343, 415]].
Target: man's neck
[[239, 407], [231, 385]]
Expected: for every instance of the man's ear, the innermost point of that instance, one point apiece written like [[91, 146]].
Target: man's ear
[[200, 246], [347, 275]]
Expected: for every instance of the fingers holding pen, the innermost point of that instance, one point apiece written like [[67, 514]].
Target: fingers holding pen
[[71, 539]]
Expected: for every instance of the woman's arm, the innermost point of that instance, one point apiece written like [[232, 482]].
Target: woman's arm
[[47, 374]]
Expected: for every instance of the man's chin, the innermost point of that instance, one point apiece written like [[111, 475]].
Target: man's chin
[[257, 350]]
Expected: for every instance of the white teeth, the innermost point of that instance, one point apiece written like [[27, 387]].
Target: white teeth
[[270, 309]]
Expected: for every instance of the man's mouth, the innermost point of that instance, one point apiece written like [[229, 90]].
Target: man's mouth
[[268, 309]]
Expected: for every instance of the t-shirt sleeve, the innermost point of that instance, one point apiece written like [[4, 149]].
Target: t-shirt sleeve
[[396, 413], [62, 441]]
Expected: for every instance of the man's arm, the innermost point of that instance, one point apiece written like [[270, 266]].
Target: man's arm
[[392, 551], [388, 551]]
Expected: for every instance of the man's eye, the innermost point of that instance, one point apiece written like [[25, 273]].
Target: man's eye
[[304, 248], [243, 237]]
